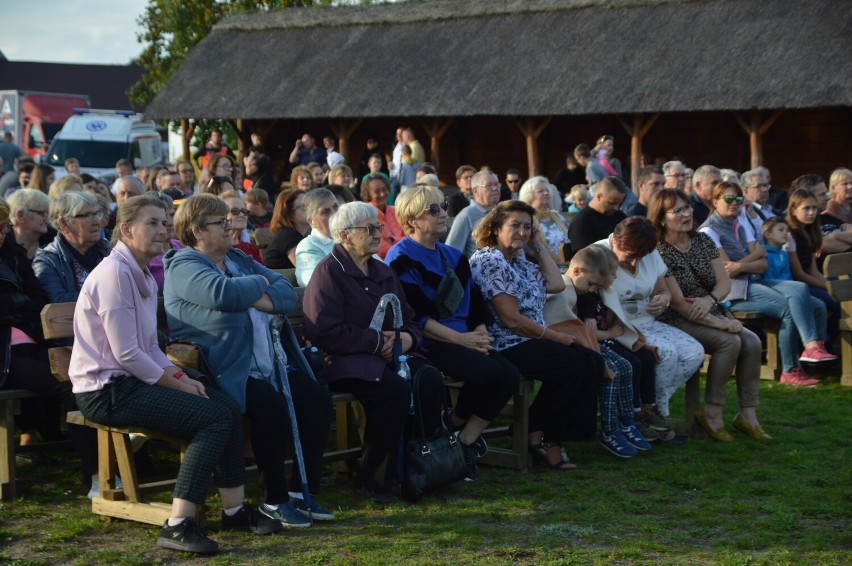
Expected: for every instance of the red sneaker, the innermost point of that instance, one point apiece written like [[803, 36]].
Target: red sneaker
[[817, 353], [799, 378]]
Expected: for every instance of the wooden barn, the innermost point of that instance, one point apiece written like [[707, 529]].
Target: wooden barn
[[518, 83]]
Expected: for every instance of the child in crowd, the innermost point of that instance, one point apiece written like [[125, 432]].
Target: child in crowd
[[579, 198], [408, 167], [590, 270], [775, 234], [257, 203], [629, 344]]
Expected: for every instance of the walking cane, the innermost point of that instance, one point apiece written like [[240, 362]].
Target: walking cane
[[281, 357], [379, 319]]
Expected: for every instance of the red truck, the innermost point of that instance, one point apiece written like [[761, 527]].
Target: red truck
[[35, 117]]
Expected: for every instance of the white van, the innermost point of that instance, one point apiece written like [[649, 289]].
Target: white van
[[99, 138]]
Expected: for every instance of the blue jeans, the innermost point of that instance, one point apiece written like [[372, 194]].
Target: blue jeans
[[802, 316], [833, 313]]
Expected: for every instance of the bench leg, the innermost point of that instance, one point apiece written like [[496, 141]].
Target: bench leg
[[693, 395], [8, 489], [773, 368], [846, 358]]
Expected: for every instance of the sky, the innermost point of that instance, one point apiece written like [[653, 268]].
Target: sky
[[70, 31]]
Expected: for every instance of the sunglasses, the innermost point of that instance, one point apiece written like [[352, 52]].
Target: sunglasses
[[730, 199], [237, 211], [435, 208]]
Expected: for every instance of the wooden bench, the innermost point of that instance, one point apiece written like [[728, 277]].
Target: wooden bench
[[115, 452], [772, 369], [10, 405], [837, 269]]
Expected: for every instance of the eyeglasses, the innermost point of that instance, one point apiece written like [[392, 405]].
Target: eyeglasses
[[370, 228], [759, 186], [42, 213], [730, 199], [491, 186], [236, 211], [89, 215], [678, 175], [682, 210], [435, 208], [224, 223], [225, 165]]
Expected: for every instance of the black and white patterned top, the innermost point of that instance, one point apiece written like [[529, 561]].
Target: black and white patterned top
[[519, 278]]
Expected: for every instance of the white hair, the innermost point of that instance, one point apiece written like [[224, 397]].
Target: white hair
[[349, 215]]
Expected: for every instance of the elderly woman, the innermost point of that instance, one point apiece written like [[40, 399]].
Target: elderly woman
[[29, 212], [301, 178], [238, 217], [697, 275], [375, 189], [318, 206], [224, 301], [840, 205], [340, 304], [450, 309], [515, 290], [639, 295], [63, 265], [802, 316], [544, 198], [289, 226], [121, 378]]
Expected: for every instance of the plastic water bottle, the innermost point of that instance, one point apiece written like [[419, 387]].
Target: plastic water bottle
[[405, 373]]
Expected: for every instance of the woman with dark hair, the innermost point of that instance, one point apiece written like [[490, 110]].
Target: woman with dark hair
[[42, 177], [438, 286], [219, 165], [289, 226], [639, 295], [803, 244], [802, 316], [515, 290], [375, 190], [697, 275]]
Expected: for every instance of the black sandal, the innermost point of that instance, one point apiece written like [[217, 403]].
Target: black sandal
[[539, 452]]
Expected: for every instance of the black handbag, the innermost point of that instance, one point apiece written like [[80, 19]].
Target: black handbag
[[433, 463]]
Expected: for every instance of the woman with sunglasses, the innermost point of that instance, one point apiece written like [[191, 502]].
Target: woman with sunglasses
[[451, 311], [340, 304], [802, 316], [697, 276], [238, 222]]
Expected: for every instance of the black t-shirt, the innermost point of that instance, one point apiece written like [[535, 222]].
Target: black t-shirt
[[589, 226], [276, 252]]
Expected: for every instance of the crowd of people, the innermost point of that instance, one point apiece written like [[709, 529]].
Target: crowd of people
[[610, 297]]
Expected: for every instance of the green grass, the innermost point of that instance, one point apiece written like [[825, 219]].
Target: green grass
[[700, 503]]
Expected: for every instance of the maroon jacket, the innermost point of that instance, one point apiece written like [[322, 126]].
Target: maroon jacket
[[339, 304]]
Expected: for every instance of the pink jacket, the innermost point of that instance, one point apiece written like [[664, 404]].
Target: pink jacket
[[115, 325]]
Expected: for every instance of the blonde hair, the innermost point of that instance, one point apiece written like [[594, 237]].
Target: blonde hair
[[411, 204], [62, 185]]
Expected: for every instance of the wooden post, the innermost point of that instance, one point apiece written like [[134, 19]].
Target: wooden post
[[186, 129], [342, 130], [436, 130], [637, 132], [531, 128], [756, 130]]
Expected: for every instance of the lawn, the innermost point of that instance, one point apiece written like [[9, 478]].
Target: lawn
[[702, 502]]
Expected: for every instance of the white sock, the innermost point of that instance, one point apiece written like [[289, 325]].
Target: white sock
[[175, 521], [231, 511]]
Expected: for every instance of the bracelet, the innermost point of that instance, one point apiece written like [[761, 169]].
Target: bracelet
[[543, 330], [178, 374]]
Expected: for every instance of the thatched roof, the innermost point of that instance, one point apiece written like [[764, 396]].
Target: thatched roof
[[517, 57]]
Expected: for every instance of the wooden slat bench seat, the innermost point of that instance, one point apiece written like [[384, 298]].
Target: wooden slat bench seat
[[837, 269], [772, 369]]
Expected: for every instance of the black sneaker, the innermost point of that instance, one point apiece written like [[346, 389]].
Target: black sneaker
[[470, 458], [186, 536], [249, 519]]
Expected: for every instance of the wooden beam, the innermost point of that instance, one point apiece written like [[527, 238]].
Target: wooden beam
[[637, 131], [436, 130], [187, 128], [756, 129], [532, 129], [343, 130]]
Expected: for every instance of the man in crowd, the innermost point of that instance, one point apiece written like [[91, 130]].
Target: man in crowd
[[417, 151], [598, 219], [757, 211], [306, 151], [570, 175], [513, 185], [650, 181], [214, 146], [704, 180], [675, 175], [8, 150], [486, 195]]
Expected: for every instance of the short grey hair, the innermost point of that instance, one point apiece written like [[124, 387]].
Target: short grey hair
[[26, 199], [315, 198], [349, 215], [132, 180], [751, 178], [525, 194], [669, 165], [730, 176], [703, 172], [70, 204], [480, 177]]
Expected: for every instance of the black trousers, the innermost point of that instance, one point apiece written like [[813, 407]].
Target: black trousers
[[489, 380], [386, 406], [566, 405], [272, 436], [30, 369], [644, 367]]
